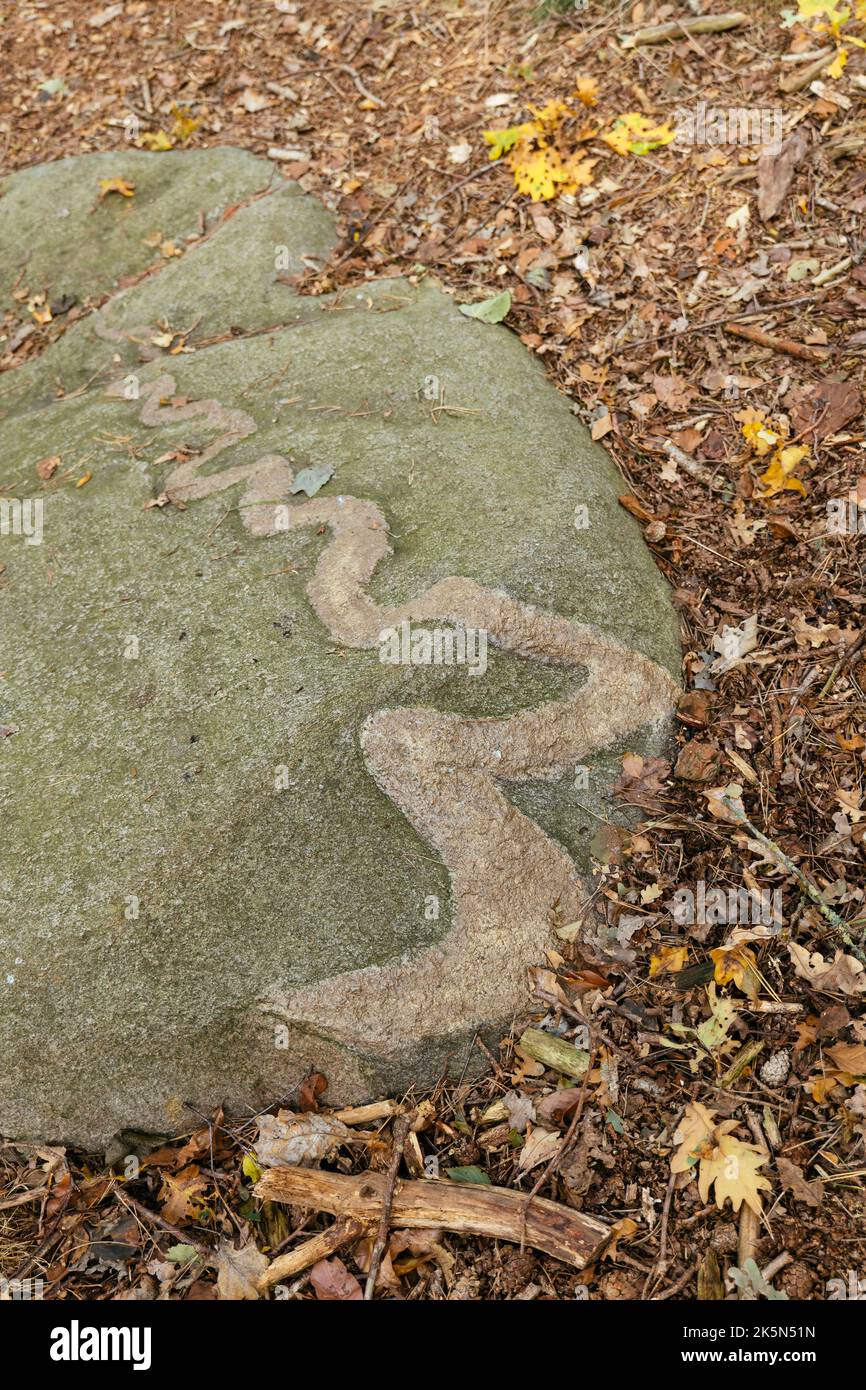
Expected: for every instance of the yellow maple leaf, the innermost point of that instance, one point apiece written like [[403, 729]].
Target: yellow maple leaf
[[739, 965], [668, 960], [501, 141], [548, 118], [534, 173], [838, 63], [576, 173], [824, 9], [733, 1169], [155, 140], [539, 167], [587, 91], [543, 173], [779, 475], [125, 187], [632, 133]]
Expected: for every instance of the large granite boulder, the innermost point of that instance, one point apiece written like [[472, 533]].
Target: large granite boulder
[[291, 768]]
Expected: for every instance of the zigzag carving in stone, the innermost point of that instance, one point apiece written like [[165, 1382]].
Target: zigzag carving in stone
[[443, 771]]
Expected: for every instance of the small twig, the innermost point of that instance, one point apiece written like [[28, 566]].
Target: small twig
[[678, 1286], [399, 1132], [846, 656], [780, 1262], [747, 1237], [476, 174], [661, 1262], [796, 81], [721, 322], [365, 92], [770, 340]]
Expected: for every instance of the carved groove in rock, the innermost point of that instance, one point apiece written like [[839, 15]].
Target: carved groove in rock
[[440, 770]]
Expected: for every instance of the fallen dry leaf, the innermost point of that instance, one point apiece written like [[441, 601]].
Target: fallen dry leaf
[[181, 1194], [239, 1270], [792, 1177], [539, 1148], [298, 1140], [333, 1282], [642, 780], [843, 973], [125, 187]]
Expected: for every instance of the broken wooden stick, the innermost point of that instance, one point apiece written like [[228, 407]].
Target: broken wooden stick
[[319, 1247], [796, 81], [770, 340], [554, 1052], [464, 1208], [676, 28], [368, 1114]]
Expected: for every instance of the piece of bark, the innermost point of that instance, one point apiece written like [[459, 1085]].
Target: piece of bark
[[553, 1052], [699, 761], [770, 340], [464, 1208], [319, 1247], [709, 1278], [776, 169], [747, 1238], [689, 24], [823, 408]]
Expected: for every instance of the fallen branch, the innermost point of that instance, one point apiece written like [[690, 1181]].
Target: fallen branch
[[465, 1208], [796, 81], [319, 1247], [770, 340], [675, 28], [554, 1052]]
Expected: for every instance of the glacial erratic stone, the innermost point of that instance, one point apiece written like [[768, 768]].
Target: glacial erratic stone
[[298, 775]]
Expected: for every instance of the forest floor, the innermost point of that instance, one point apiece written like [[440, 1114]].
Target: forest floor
[[702, 303]]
